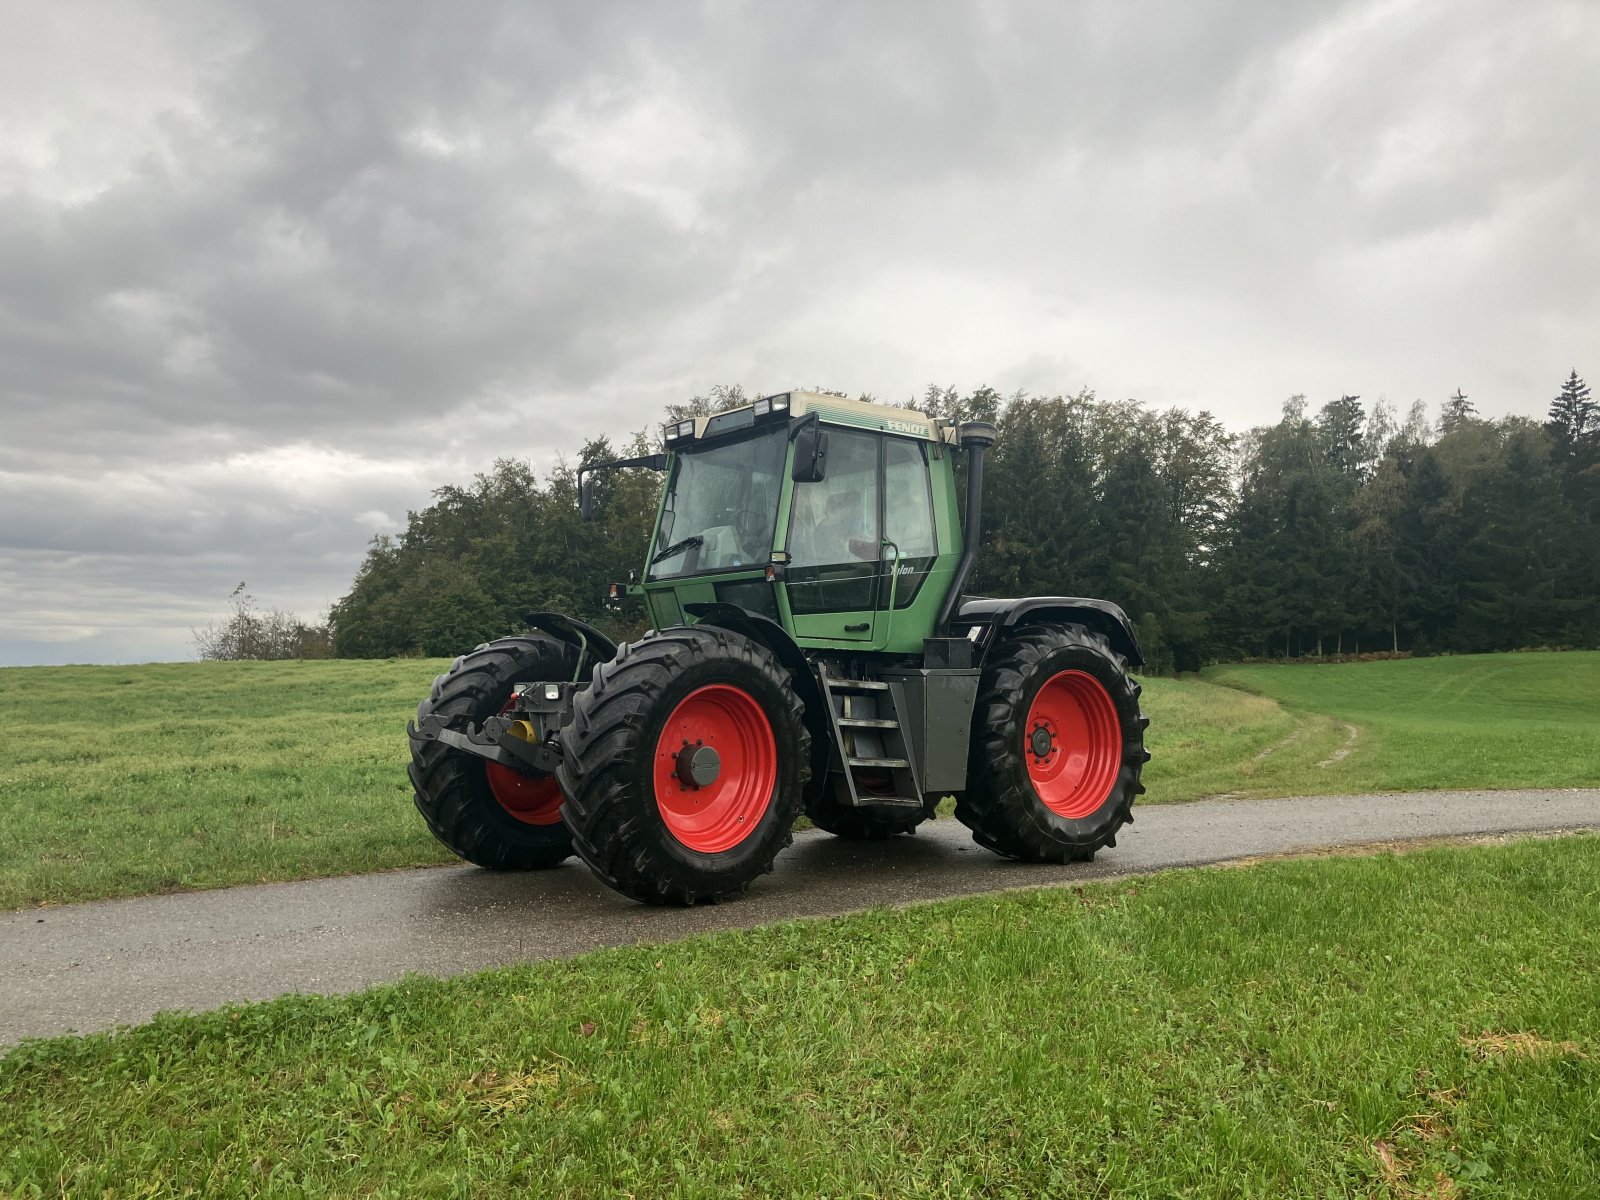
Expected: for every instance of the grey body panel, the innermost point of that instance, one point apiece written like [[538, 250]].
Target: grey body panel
[[937, 707]]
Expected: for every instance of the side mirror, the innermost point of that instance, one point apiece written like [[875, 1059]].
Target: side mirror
[[810, 455], [652, 462]]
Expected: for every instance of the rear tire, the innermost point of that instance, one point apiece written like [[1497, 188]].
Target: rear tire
[[1057, 747], [486, 813], [640, 817]]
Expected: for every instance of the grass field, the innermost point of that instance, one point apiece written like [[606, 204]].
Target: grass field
[[1409, 1026], [1473, 721], [127, 780]]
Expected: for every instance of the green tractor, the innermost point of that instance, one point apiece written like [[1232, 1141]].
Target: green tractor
[[812, 651]]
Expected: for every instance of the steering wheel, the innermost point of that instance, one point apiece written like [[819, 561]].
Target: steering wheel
[[750, 525]]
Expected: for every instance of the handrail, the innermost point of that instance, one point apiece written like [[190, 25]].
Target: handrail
[[894, 584]]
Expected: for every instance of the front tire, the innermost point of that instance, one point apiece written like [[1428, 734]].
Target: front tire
[[684, 764], [1057, 747], [486, 813]]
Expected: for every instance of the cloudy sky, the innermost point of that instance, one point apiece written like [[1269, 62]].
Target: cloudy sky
[[271, 273]]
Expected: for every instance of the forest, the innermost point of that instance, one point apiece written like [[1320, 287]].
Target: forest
[[1338, 530]]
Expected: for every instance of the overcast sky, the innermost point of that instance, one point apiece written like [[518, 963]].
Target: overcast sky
[[270, 273]]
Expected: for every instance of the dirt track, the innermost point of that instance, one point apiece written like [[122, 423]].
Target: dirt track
[[88, 966]]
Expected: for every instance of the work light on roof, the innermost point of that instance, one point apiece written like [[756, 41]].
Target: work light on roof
[[763, 406]]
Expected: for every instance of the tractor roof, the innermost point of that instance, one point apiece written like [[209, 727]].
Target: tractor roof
[[831, 410], [836, 410]]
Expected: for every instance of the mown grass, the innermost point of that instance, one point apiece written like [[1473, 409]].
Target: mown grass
[[119, 781], [1400, 1026], [1208, 740], [123, 780], [1473, 721]]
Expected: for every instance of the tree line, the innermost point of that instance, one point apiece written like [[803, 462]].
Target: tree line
[[1337, 530]]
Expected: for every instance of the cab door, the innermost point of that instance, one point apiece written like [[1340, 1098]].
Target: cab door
[[835, 541]]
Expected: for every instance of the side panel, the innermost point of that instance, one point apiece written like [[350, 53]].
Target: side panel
[[665, 611], [669, 601], [938, 724]]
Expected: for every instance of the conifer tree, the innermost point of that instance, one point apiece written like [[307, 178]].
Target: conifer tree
[[1457, 411], [1574, 422]]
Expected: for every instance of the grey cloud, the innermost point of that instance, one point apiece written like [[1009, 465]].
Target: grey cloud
[[408, 238]]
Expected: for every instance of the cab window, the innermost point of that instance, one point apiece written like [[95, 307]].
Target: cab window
[[834, 534], [908, 504], [908, 516], [835, 521]]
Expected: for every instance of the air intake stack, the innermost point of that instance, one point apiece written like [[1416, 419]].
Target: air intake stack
[[975, 438]]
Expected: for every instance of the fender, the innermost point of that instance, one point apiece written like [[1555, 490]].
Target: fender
[[1101, 616], [766, 631], [593, 646]]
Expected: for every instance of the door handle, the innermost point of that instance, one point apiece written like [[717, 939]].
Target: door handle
[[861, 628]]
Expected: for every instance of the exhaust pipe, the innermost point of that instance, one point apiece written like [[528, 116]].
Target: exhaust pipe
[[975, 437]]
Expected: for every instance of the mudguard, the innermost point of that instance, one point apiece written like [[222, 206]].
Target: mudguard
[[594, 647], [764, 630], [1101, 616]]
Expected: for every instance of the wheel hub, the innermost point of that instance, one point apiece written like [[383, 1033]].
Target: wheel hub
[[698, 765], [1041, 743]]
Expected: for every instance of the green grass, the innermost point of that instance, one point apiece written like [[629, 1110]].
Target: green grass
[[1401, 1026], [1207, 740], [1474, 721], [125, 780], [119, 781]]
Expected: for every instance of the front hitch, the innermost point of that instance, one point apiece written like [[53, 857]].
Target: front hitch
[[544, 706]]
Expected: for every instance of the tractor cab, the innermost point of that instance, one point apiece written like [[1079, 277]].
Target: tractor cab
[[835, 518]]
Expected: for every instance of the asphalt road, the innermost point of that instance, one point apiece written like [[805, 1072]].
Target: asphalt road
[[90, 966]]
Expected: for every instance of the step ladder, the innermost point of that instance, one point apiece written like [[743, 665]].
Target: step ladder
[[872, 764]]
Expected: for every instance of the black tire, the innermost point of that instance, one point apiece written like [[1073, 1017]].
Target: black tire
[[1002, 804], [453, 789], [860, 824], [609, 770]]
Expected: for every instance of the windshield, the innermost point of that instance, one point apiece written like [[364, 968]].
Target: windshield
[[721, 506]]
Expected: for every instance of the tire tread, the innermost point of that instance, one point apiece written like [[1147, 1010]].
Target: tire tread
[[614, 827], [450, 788], [999, 805]]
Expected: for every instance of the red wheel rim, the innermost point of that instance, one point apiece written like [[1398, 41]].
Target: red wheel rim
[[533, 800], [722, 812], [1072, 744]]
